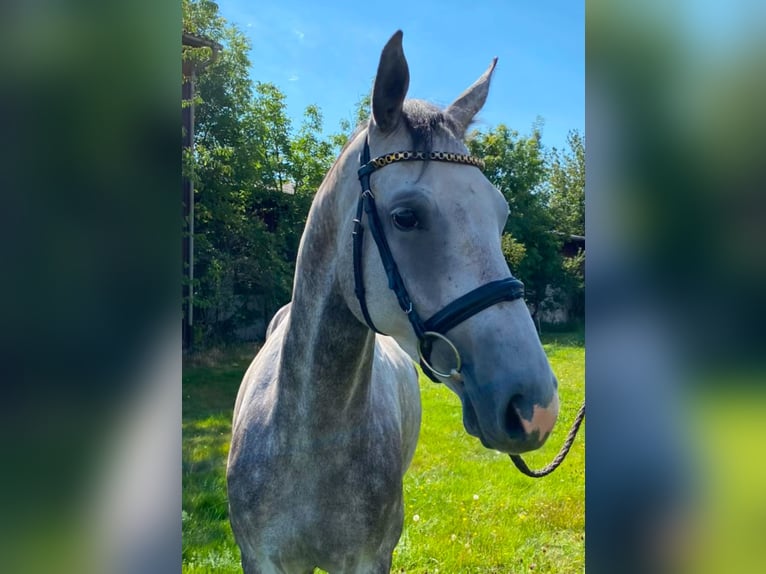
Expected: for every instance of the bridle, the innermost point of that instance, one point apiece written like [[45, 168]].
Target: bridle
[[454, 313], [462, 308]]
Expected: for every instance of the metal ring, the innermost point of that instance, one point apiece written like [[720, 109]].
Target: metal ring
[[435, 335]]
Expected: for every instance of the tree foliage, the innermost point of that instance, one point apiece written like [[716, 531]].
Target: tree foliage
[[567, 186], [254, 179], [311, 155], [513, 251], [567, 192]]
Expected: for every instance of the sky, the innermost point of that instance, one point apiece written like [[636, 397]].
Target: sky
[[326, 53]]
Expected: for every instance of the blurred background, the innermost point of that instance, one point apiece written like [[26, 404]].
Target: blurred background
[[675, 275], [89, 300], [90, 182]]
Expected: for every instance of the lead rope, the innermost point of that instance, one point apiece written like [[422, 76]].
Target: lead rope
[[546, 470]]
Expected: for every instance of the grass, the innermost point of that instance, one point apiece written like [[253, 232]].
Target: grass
[[467, 508]]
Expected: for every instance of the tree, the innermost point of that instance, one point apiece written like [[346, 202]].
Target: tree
[[567, 186], [239, 267], [567, 201], [272, 136], [513, 251], [254, 182], [312, 156]]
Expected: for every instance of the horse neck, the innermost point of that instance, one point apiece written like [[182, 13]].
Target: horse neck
[[326, 362]]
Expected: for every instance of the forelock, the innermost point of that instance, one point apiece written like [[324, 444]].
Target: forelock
[[425, 123]]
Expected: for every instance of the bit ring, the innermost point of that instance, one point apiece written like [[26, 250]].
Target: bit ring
[[458, 359]]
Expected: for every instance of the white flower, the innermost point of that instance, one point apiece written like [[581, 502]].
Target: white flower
[[416, 518], [476, 497]]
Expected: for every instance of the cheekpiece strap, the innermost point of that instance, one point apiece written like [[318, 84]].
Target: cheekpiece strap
[[466, 306]]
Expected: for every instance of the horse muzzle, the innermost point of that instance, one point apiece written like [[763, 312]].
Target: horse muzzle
[[514, 425]]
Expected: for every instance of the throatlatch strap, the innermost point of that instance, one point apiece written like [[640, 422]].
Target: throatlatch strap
[[367, 206]]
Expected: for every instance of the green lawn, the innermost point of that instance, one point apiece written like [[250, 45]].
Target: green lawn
[[467, 508]]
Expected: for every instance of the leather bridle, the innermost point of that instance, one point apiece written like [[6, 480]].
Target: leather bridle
[[462, 308]]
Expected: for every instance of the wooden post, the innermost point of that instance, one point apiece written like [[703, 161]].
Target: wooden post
[[187, 203], [187, 186]]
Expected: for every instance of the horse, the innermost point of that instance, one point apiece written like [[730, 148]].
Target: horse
[[327, 417]]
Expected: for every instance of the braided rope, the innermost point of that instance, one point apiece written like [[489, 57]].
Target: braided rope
[[546, 470], [389, 158]]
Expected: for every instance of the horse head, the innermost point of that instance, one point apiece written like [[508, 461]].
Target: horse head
[[441, 221]]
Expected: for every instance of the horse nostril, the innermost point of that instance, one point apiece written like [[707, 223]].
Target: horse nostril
[[513, 425]]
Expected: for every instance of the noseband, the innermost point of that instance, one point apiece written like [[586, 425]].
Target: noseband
[[462, 308]]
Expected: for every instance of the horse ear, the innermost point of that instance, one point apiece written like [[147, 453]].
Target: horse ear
[[465, 107], [391, 83]]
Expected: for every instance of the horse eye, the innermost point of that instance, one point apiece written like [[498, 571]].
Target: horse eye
[[405, 219]]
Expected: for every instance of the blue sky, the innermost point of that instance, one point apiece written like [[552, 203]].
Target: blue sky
[[326, 53]]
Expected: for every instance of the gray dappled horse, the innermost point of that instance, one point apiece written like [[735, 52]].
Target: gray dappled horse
[[328, 414]]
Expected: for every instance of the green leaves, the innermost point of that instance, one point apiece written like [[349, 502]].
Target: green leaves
[[311, 156], [567, 185], [567, 201], [513, 251], [254, 180]]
